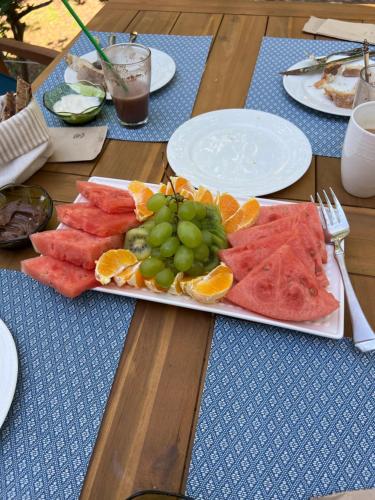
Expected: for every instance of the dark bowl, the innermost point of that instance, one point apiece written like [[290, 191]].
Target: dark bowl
[[33, 195]]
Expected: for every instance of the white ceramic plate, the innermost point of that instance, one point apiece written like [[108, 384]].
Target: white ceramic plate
[[331, 326], [240, 151], [301, 88], [8, 370], [163, 69]]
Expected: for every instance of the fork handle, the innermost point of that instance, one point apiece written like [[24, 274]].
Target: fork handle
[[362, 331]]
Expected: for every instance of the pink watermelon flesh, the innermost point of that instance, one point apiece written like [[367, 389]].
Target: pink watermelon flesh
[[65, 278], [74, 246], [93, 220], [111, 200], [282, 288], [257, 233], [243, 259], [307, 210]]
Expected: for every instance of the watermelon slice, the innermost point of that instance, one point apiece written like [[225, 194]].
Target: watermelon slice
[[243, 259], [74, 246], [257, 233], [306, 210], [282, 288], [93, 220], [65, 278], [111, 200]]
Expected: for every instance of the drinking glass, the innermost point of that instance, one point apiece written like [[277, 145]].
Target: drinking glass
[[128, 79], [358, 154], [365, 91]]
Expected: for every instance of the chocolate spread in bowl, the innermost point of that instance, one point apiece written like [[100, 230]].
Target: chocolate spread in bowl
[[19, 219]]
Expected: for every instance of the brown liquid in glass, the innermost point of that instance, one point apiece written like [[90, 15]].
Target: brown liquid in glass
[[371, 130], [132, 109]]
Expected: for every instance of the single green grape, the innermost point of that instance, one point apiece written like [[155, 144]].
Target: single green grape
[[183, 258], [219, 242], [172, 205], [156, 201], [169, 247], [202, 253], [212, 263], [200, 211], [197, 269], [160, 233], [164, 278], [163, 215], [186, 210], [189, 234], [207, 237], [151, 266], [149, 224]]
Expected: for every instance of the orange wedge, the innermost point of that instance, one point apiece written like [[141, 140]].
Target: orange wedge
[[113, 262], [227, 204], [140, 193], [212, 287], [175, 288], [203, 195], [162, 188], [179, 184], [131, 276], [245, 216]]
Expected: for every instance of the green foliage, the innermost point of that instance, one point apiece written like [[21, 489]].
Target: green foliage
[[11, 13]]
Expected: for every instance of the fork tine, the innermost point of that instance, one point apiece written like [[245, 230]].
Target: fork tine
[[323, 215], [332, 214], [339, 210]]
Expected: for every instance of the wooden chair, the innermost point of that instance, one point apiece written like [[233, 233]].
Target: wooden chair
[[26, 52]]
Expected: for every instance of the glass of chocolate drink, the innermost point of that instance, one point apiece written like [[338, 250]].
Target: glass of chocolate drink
[[128, 78]]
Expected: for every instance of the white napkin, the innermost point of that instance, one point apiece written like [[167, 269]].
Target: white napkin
[[349, 495], [344, 30], [25, 145]]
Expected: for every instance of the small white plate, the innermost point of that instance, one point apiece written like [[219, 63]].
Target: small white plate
[[8, 370], [163, 69], [331, 326], [301, 88], [244, 152]]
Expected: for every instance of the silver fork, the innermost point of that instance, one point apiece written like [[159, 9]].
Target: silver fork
[[336, 228]]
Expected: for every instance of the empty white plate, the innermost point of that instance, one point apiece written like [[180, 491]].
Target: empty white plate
[[241, 151], [8, 370], [163, 69]]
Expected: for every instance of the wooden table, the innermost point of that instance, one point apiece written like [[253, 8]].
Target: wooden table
[[146, 435]]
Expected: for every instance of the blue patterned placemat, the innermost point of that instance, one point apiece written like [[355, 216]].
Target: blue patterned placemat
[[68, 352], [325, 132], [169, 107], [283, 416]]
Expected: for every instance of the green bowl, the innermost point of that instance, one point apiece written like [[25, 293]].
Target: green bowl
[[51, 97]]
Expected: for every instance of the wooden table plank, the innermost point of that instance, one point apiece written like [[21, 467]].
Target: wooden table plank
[[246, 7], [145, 434], [287, 27]]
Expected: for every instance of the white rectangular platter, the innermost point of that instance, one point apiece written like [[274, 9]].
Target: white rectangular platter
[[331, 326]]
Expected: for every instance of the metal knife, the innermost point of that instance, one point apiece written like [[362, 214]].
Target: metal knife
[[320, 66]]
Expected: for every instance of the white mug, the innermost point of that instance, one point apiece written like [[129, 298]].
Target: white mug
[[358, 153]]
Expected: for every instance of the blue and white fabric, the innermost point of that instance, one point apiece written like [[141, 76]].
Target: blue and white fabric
[[68, 353], [325, 132], [284, 416], [169, 107]]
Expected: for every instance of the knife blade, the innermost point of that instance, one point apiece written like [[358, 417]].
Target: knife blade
[[320, 66]]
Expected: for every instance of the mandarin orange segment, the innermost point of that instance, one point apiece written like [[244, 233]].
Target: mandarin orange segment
[[212, 287], [228, 205], [113, 262], [179, 183], [140, 193], [153, 286], [131, 276], [175, 288], [162, 188], [203, 195], [245, 216], [187, 194]]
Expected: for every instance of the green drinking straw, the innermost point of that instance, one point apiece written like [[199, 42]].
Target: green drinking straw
[[94, 42]]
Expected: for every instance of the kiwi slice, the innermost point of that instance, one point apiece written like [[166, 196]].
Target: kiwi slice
[[136, 242]]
